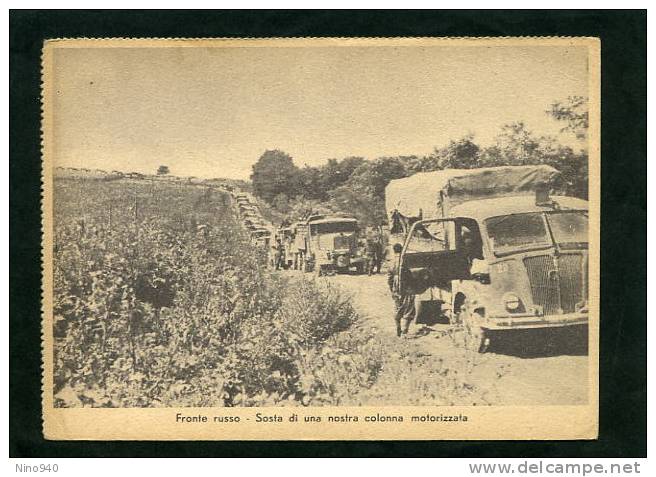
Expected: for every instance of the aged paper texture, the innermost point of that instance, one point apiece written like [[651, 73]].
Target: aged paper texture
[[321, 239]]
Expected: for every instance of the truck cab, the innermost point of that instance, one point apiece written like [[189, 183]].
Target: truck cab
[[492, 249], [504, 263], [261, 237], [246, 208], [332, 243]]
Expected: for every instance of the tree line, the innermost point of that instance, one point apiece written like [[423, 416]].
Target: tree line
[[357, 185]]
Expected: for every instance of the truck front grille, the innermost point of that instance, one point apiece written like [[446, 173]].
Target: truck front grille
[[544, 288], [342, 243], [557, 284], [571, 281]]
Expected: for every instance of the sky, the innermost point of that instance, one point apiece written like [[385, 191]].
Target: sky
[[212, 111]]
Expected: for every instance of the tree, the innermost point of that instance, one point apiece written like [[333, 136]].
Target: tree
[[461, 154], [335, 173], [414, 164], [574, 113], [517, 146], [368, 209], [492, 156], [163, 170], [275, 173], [300, 207], [372, 177], [572, 165], [316, 182], [311, 184], [281, 203], [363, 195]]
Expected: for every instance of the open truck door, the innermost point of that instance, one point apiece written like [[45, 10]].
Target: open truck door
[[432, 256]]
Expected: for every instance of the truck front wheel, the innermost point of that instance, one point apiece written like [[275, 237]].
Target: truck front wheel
[[429, 312]]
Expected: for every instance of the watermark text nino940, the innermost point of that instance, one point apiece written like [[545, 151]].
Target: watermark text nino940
[[37, 468]]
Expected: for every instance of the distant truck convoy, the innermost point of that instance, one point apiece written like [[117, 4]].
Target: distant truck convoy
[[492, 249]]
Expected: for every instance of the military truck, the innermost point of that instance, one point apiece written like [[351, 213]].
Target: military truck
[[492, 249], [253, 217], [245, 208], [332, 245], [261, 237]]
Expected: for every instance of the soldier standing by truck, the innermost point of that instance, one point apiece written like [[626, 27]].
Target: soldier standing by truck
[[277, 254], [404, 303], [371, 252], [380, 253]]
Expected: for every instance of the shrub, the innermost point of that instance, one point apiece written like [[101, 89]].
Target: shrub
[[311, 314], [160, 300]]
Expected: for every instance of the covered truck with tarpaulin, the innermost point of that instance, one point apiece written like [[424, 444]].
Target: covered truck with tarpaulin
[[491, 248]]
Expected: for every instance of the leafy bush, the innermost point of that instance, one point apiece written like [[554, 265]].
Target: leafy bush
[[160, 300], [311, 314]]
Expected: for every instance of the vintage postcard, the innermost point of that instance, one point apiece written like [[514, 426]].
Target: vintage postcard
[[321, 239]]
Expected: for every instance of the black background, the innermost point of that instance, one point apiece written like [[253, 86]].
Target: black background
[[623, 379]]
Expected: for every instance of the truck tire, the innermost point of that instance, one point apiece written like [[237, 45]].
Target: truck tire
[[428, 312]]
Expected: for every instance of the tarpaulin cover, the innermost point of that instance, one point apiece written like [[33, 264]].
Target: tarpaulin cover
[[427, 194]]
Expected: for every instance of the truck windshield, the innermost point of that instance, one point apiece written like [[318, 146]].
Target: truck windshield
[[509, 232], [332, 227], [570, 229]]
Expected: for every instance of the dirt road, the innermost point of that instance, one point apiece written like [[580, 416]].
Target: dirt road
[[543, 367]]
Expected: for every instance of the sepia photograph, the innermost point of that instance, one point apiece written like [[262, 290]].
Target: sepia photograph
[[386, 238]]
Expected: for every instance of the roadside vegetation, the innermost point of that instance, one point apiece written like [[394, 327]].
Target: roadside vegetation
[[160, 300]]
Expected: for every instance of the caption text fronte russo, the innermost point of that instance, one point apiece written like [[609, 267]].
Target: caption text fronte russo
[[266, 418]]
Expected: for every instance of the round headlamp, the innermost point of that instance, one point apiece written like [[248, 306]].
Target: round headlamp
[[511, 302]]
